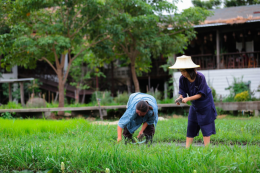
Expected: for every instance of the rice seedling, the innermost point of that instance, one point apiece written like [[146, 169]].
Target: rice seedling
[[21, 127], [93, 148]]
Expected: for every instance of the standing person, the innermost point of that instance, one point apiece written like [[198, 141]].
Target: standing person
[[142, 110], [202, 113]]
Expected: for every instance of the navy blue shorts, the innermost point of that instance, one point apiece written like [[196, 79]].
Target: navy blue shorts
[[194, 128]]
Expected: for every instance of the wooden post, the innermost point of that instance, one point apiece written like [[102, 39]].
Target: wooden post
[[83, 99], [217, 46], [112, 79], [56, 97], [256, 113], [22, 93], [173, 61], [49, 97], [165, 90], [10, 92], [149, 84], [99, 108], [97, 83], [52, 97]]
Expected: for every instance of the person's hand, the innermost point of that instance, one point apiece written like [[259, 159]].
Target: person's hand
[[140, 133], [119, 139], [185, 100]]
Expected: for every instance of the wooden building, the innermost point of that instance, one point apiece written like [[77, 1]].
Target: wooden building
[[227, 46]]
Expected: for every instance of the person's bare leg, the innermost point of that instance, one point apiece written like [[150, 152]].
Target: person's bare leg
[[206, 140], [188, 142]]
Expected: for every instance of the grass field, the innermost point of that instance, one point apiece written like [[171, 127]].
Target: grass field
[[41, 145]]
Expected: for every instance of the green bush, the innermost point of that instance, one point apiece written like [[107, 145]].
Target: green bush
[[238, 86], [214, 94], [7, 115], [104, 96], [156, 94], [122, 98], [243, 96], [219, 110], [11, 105], [15, 92]]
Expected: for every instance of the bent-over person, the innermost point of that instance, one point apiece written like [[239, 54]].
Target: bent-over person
[[142, 110]]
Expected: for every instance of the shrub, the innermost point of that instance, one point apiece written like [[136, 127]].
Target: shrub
[[156, 94], [238, 86], [105, 97], [11, 105], [122, 98], [7, 115], [243, 96], [214, 93], [219, 110]]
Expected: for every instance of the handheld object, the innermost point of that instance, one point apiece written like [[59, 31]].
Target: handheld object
[[139, 140], [179, 100]]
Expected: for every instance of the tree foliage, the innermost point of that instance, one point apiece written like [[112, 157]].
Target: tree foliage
[[210, 4], [48, 30], [232, 3], [213, 4], [141, 31]]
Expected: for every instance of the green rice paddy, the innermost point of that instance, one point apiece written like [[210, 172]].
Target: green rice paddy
[[41, 145]]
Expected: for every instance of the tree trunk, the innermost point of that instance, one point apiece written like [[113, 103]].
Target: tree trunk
[[61, 90], [10, 92], [112, 78], [22, 93], [83, 99], [77, 94], [97, 88], [135, 80]]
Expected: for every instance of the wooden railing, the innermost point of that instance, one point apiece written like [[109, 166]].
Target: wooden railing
[[240, 60], [228, 60]]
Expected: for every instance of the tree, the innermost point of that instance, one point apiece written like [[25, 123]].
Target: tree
[[210, 4], [83, 68], [232, 3], [213, 4], [33, 86], [141, 30], [48, 30]]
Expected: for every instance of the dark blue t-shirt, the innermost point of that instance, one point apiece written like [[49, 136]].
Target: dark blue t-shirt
[[203, 109]]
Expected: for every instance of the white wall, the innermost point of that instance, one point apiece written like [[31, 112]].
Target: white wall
[[219, 79], [12, 75]]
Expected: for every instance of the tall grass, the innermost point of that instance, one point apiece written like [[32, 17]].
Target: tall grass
[[20, 127], [44, 144], [227, 130]]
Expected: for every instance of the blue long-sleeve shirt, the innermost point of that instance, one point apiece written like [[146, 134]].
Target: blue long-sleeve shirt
[[131, 119]]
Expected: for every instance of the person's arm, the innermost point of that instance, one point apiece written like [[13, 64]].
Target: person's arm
[[195, 97], [142, 129], [119, 133], [128, 116]]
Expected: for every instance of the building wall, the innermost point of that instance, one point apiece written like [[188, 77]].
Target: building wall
[[11, 75], [219, 79]]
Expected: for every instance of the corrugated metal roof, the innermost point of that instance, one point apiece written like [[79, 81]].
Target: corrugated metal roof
[[232, 15], [209, 25], [220, 24], [233, 12]]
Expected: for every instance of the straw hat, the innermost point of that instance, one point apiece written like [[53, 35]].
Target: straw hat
[[184, 62]]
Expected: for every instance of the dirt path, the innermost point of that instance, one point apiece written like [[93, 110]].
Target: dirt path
[[116, 122]]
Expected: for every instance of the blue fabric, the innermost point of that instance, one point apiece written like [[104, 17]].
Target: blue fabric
[[194, 128], [131, 119], [202, 110]]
